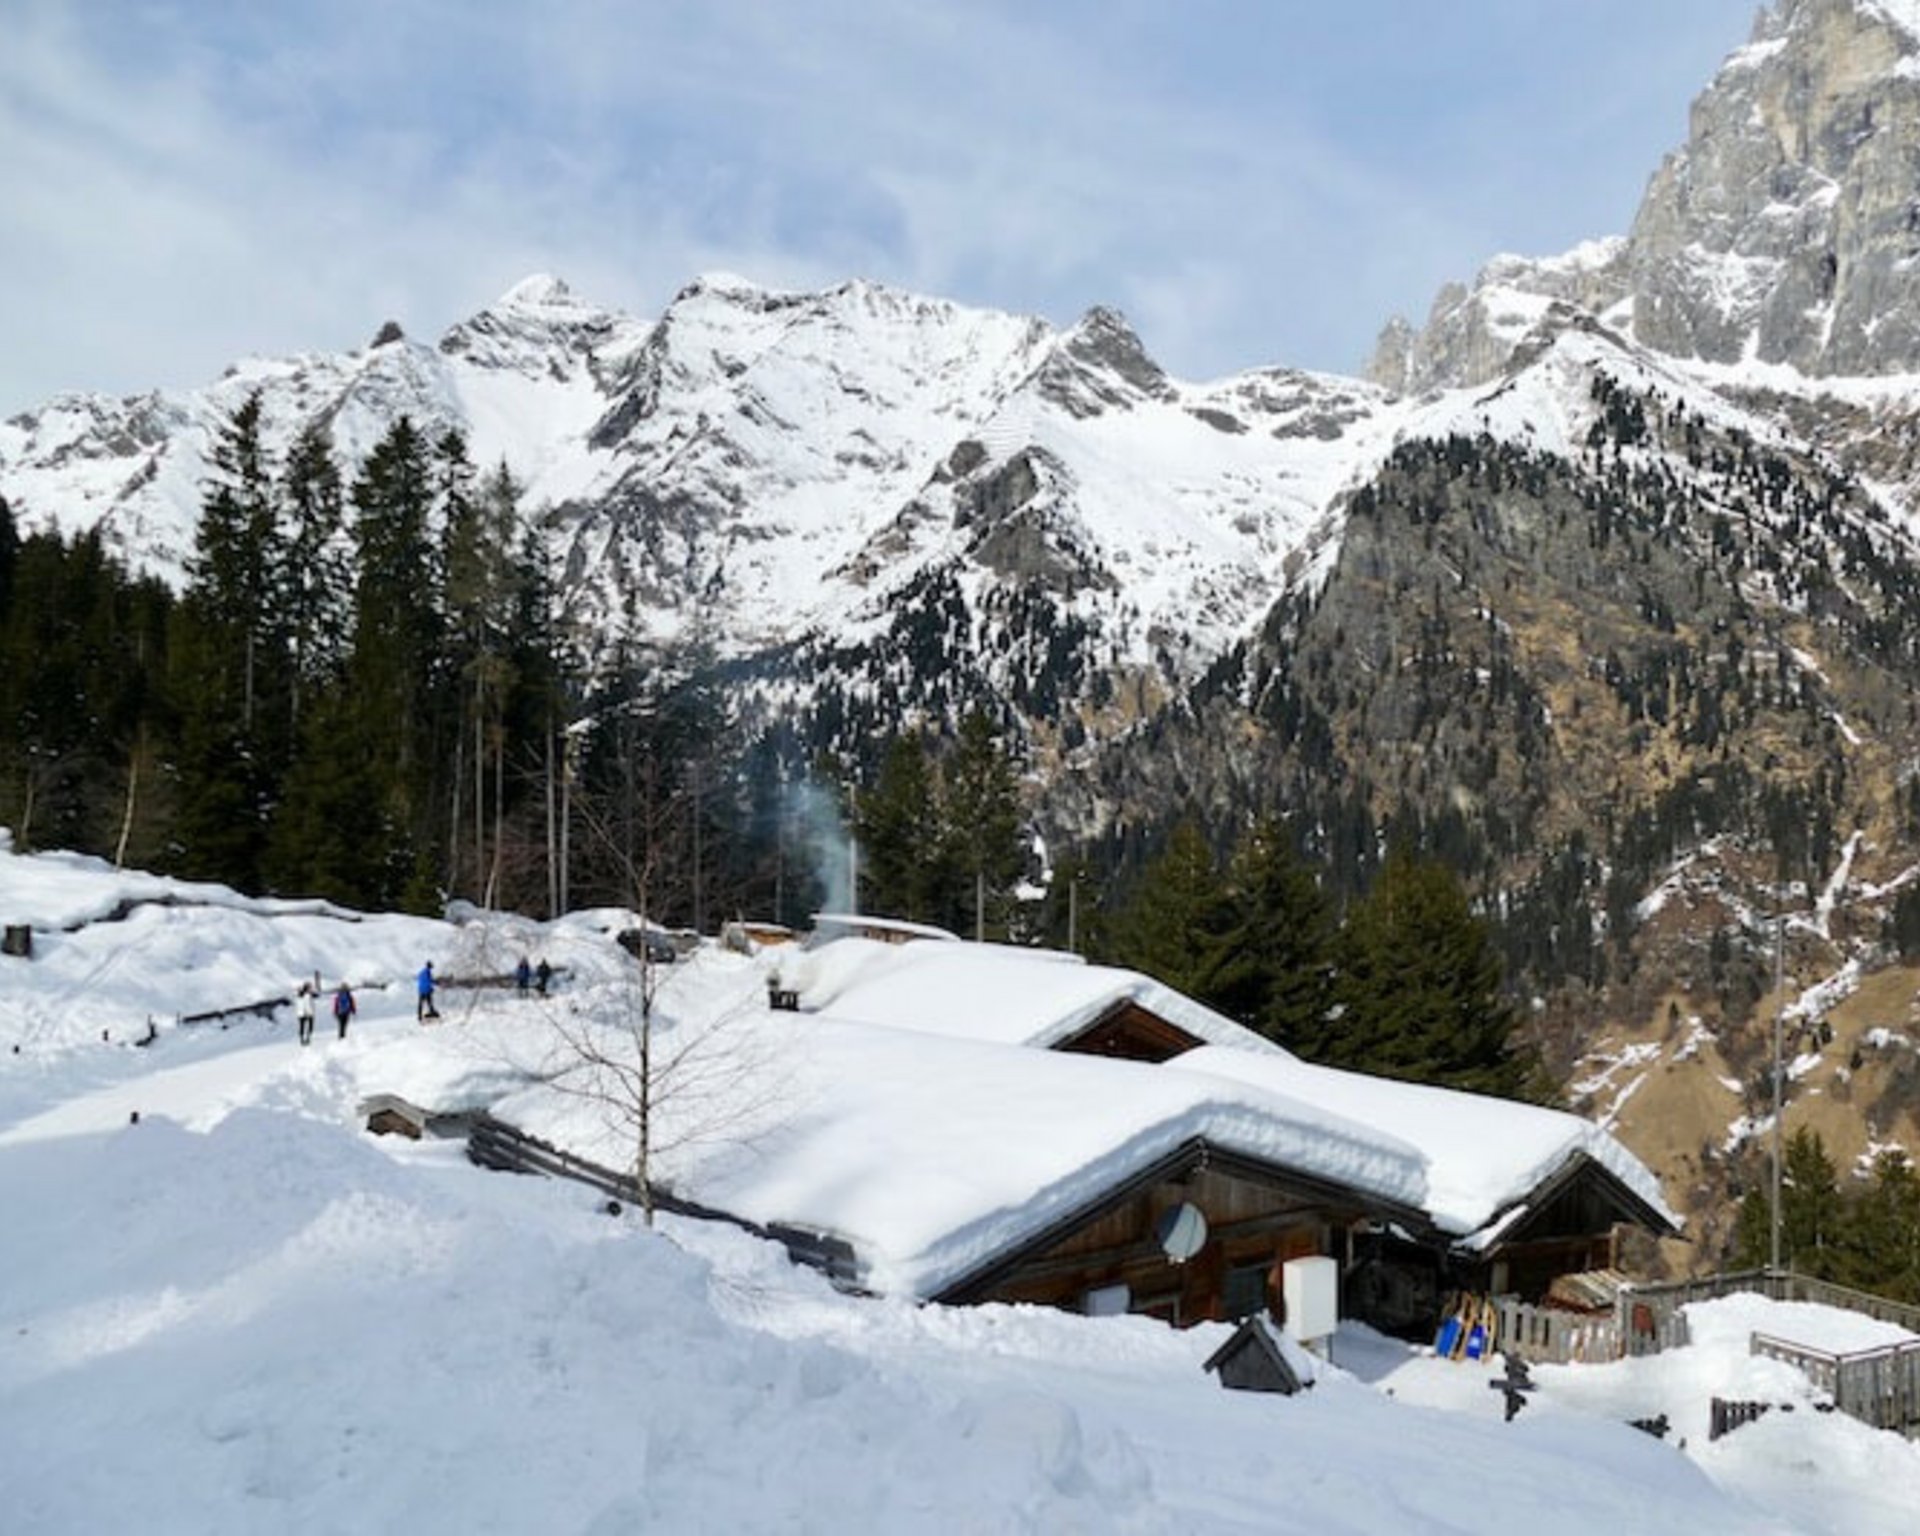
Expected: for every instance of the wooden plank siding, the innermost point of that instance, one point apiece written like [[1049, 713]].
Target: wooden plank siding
[[1131, 1032], [1258, 1217]]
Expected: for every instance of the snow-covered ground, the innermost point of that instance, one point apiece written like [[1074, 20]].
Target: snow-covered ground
[[242, 1313]]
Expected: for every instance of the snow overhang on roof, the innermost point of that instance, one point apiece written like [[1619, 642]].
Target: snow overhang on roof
[[1484, 1156], [996, 992], [935, 1158]]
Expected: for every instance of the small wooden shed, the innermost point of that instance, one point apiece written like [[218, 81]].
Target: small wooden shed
[[1254, 1360]]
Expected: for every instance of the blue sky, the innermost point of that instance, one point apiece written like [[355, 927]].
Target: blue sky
[[1252, 183]]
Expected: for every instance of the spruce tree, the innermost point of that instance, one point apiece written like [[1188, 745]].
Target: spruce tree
[[478, 530], [319, 574], [897, 829], [1811, 1217], [230, 662], [1880, 1235], [333, 837], [1176, 924], [396, 660], [980, 813], [240, 556], [539, 703], [9, 555], [1275, 973], [1418, 988]]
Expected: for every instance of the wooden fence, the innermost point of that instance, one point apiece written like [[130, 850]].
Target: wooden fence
[[1648, 1319], [1880, 1387], [1555, 1336], [1551, 1336]]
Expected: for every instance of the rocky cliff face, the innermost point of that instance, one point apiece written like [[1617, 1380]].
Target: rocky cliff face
[[1786, 229]]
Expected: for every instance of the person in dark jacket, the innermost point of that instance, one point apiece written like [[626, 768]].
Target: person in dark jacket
[[424, 986], [343, 1008], [543, 974], [522, 976]]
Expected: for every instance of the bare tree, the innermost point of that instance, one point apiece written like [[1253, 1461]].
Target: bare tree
[[665, 1080]]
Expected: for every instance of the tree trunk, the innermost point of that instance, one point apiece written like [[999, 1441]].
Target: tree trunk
[[126, 820], [553, 851], [479, 786], [454, 817]]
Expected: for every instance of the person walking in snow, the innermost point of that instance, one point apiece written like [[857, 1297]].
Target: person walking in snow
[[343, 1008], [303, 1010], [542, 975], [522, 976], [425, 1010]]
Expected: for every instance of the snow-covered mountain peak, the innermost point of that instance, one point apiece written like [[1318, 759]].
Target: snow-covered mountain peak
[[1100, 364], [538, 290]]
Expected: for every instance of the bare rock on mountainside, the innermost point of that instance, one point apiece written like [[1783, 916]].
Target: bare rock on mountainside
[[1785, 230]]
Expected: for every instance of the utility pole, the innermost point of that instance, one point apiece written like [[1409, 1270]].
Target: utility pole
[[1779, 1007]]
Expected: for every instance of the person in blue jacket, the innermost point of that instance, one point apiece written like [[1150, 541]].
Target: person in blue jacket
[[425, 1010], [343, 1008]]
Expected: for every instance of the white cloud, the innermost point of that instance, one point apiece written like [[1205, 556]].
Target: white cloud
[[181, 187]]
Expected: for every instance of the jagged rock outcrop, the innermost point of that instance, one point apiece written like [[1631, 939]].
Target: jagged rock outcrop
[[1785, 230]]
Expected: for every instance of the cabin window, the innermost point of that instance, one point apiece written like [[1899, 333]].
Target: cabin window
[[1245, 1292], [1107, 1301]]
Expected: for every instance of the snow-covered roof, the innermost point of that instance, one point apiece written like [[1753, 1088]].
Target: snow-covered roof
[[829, 926], [998, 992], [1483, 1155], [934, 1157]]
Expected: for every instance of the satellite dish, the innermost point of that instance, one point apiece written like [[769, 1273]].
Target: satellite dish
[[1181, 1231]]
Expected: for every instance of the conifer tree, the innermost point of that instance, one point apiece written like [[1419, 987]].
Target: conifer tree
[[478, 533], [319, 576], [897, 829], [230, 661], [9, 554], [1812, 1213], [1880, 1236], [981, 840], [1174, 927], [1810, 1210], [398, 628], [239, 561], [333, 836], [539, 706], [1418, 988], [1275, 973]]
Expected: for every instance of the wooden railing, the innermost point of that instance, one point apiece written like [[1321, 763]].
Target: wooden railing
[[1791, 1287], [1551, 1336], [1880, 1387]]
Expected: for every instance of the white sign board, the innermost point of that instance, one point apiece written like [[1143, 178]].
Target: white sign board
[[1311, 1290]]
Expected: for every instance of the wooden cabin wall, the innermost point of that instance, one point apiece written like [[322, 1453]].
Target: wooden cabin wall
[[1251, 1228], [1131, 1033]]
